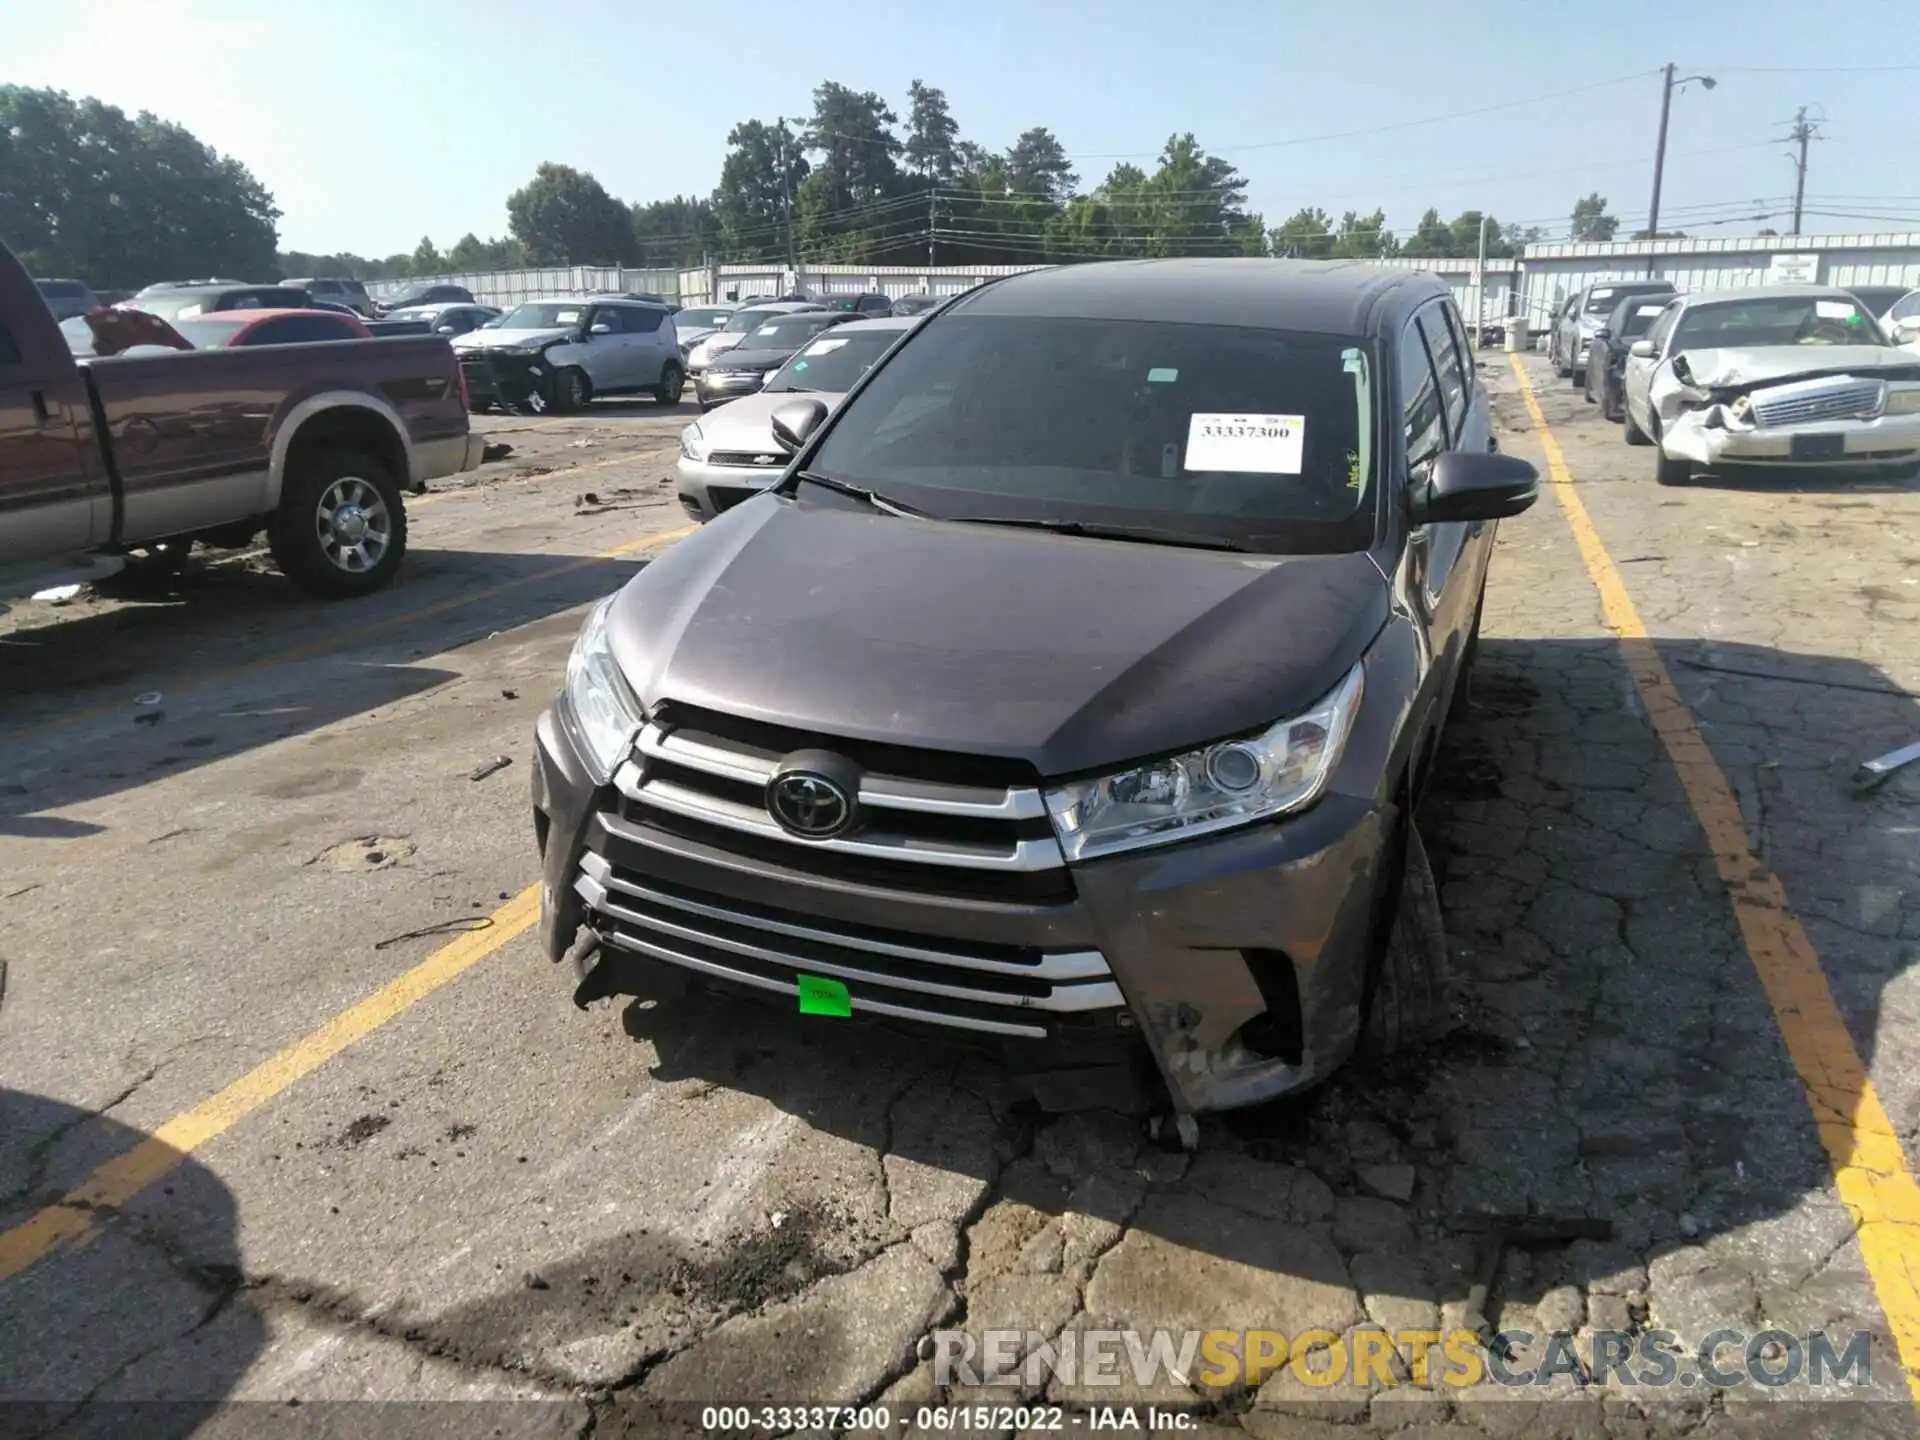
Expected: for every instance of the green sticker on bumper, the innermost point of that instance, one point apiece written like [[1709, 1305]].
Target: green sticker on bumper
[[820, 996]]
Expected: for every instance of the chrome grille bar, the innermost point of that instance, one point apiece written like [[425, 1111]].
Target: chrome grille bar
[[1819, 400]]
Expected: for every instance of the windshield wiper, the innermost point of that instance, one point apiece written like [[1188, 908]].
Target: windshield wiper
[[1141, 534], [860, 492]]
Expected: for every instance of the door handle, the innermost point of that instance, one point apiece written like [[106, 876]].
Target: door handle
[[40, 413]]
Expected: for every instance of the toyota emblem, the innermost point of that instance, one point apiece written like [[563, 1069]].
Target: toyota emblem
[[809, 805]]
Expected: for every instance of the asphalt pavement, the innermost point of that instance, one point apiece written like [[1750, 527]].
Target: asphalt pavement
[[293, 1114]]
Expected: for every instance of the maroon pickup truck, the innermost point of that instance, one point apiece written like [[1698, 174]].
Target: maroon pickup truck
[[152, 450]]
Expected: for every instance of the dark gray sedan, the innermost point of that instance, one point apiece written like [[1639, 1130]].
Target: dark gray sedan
[[745, 368]]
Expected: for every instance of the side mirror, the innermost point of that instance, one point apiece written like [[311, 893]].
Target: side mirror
[[602, 329], [793, 425], [1641, 350], [446, 329], [1603, 333], [1906, 331], [1464, 485]]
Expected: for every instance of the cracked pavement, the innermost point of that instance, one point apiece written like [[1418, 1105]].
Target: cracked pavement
[[576, 1224]]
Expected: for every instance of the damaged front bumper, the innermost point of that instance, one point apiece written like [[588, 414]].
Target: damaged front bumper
[[1827, 420], [1239, 959]]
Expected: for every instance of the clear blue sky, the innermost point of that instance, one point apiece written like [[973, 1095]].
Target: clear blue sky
[[375, 123]]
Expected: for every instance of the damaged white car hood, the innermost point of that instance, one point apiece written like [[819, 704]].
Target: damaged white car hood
[[1718, 369]]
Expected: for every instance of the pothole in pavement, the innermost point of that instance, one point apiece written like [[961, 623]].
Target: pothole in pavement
[[364, 852]]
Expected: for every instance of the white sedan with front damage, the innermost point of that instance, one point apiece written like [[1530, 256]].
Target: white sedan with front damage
[[1785, 376], [731, 454]]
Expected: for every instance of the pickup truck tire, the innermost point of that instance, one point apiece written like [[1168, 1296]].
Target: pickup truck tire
[[673, 382], [1409, 1000], [341, 528]]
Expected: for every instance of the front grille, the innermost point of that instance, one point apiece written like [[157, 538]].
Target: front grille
[[996, 988], [1810, 400], [757, 459], [928, 823]]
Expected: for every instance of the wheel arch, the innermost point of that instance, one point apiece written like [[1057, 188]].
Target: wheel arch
[[345, 420]]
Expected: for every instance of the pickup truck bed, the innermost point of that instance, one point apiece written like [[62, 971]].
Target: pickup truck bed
[[315, 444]]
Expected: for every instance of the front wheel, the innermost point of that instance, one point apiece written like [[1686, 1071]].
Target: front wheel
[[575, 389], [341, 528], [1409, 1000], [673, 380], [1667, 470], [1635, 435]]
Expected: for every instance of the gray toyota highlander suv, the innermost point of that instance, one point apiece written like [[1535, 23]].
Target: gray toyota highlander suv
[[1073, 688]]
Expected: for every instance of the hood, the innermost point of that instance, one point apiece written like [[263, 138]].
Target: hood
[[1719, 369], [738, 359], [718, 341], [747, 423], [985, 641], [489, 339]]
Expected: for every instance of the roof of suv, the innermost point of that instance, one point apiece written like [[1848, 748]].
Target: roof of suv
[[1331, 297]]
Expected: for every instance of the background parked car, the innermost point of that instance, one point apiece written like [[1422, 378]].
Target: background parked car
[[67, 298], [738, 327], [345, 291], [1607, 352], [731, 455], [231, 329], [1902, 320], [916, 304], [1585, 312], [742, 369], [591, 347], [693, 323], [867, 306], [429, 295], [447, 319], [177, 302], [1877, 298]]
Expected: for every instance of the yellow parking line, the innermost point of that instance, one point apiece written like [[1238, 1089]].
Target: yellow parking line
[[1870, 1167], [74, 1215], [353, 635]]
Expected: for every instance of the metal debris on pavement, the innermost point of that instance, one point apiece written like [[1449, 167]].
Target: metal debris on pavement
[[1872, 774], [499, 762]]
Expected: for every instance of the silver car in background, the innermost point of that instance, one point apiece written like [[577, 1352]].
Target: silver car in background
[[694, 323], [729, 455], [741, 324]]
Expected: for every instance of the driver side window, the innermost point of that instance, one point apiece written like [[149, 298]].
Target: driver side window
[[1420, 402]]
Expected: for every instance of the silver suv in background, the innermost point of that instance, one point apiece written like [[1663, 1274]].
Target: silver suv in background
[[1584, 313], [341, 291], [592, 347]]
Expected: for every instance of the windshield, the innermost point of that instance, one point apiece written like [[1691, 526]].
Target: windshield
[[73, 289], [209, 332], [1603, 300], [1638, 317], [833, 363], [1260, 436], [543, 317], [786, 332], [1776, 320], [702, 317], [745, 320], [914, 304]]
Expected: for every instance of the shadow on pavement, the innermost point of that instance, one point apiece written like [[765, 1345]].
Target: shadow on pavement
[[121, 1322], [239, 659]]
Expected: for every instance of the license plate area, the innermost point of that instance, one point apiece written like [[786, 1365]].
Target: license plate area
[[1817, 447]]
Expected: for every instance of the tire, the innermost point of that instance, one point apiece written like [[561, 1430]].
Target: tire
[[1635, 435], [575, 390], [1408, 1003], [1586, 384], [673, 383], [1609, 404], [311, 541], [1668, 471], [1577, 375], [1562, 368]]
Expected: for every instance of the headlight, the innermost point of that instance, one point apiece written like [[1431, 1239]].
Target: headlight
[[1232, 783], [1903, 402], [693, 444], [604, 710]]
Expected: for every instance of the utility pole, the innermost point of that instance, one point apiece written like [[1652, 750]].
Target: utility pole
[[1801, 132], [786, 200], [1667, 86]]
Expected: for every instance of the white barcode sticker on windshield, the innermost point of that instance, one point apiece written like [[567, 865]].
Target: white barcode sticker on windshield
[[1247, 444], [1833, 309], [824, 347]]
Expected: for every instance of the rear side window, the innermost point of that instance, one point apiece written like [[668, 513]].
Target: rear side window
[[298, 330], [1420, 398], [1447, 364], [643, 322]]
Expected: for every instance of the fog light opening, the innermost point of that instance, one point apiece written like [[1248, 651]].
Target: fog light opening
[[1277, 1034]]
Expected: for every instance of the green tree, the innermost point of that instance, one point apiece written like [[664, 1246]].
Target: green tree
[[1590, 220], [566, 217], [1364, 237], [1037, 166], [87, 191], [1306, 234], [1432, 237], [680, 231], [932, 133], [1195, 204], [750, 202], [427, 259]]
